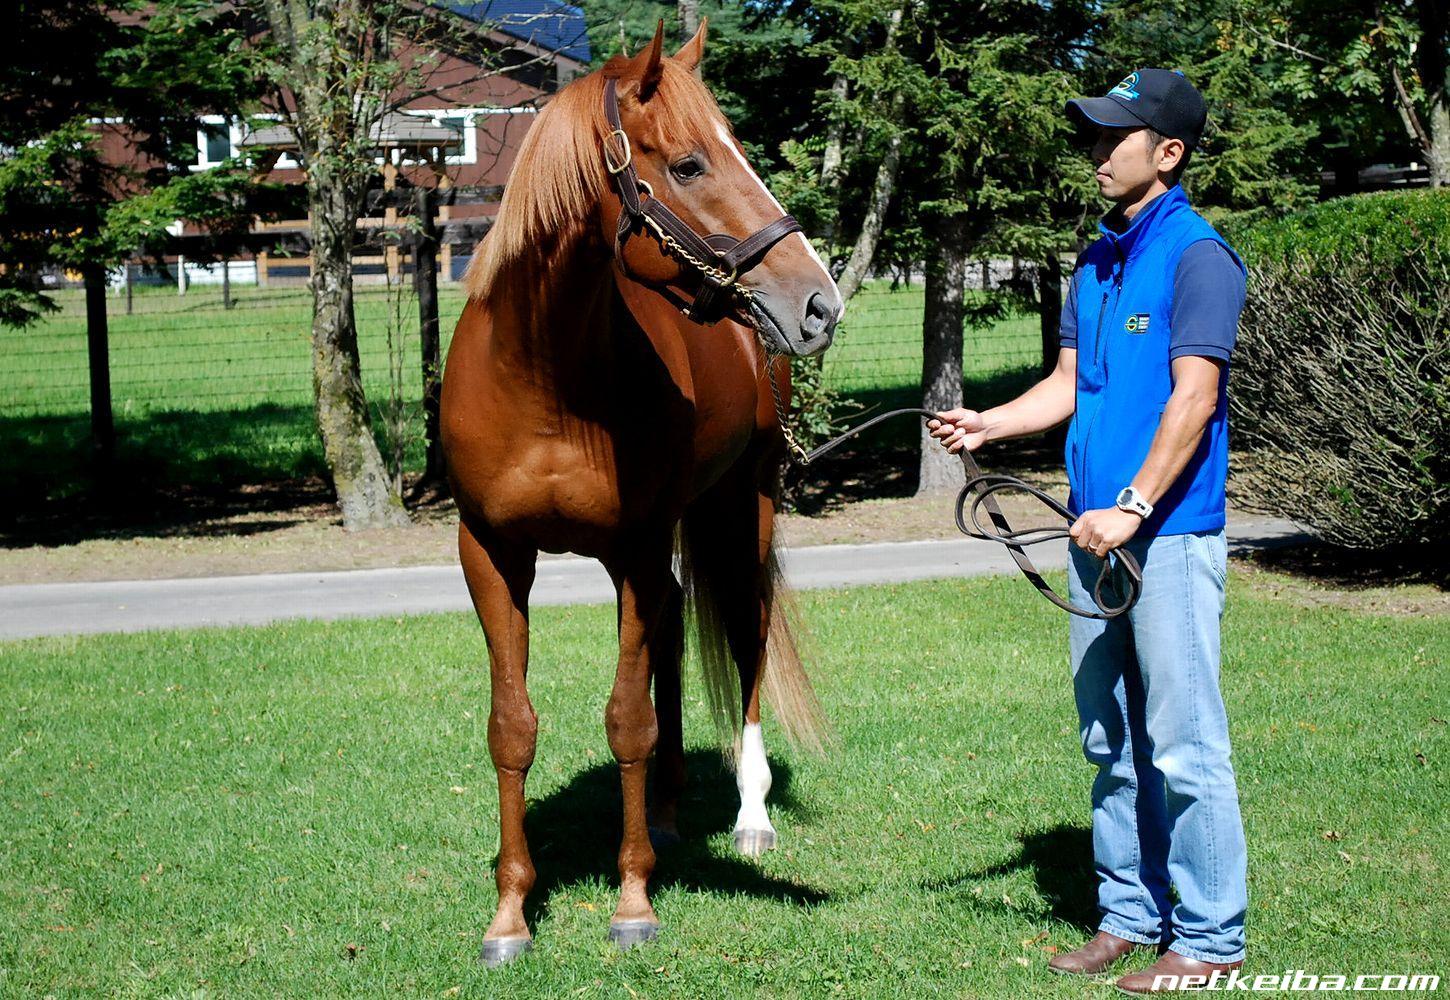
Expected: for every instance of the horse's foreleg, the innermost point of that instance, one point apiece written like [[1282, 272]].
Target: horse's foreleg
[[645, 585], [499, 578]]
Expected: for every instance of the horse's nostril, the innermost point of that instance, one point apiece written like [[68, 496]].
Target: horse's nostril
[[819, 318]]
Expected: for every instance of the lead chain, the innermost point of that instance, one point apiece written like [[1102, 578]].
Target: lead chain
[[780, 414], [670, 243], [721, 278]]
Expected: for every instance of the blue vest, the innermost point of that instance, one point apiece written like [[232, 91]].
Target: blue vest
[[1124, 307]]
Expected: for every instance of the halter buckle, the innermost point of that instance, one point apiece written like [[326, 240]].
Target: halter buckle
[[628, 153]]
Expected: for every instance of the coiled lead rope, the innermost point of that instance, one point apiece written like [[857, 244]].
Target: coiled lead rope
[[1121, 575]]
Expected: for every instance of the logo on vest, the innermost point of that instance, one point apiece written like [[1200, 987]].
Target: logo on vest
[[1137, 323], [1128, 89]]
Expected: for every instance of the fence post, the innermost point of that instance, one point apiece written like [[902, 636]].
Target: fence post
[[445, 212], [103, 428], [425, 283], [391, 257], [1049, 298]]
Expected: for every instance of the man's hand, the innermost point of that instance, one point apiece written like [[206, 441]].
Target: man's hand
[[957, 428], [1101, 531]]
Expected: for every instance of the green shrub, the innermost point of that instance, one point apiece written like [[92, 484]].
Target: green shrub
[[1341, 380]]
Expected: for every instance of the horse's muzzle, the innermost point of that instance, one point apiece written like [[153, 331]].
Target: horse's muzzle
[[809, 331]]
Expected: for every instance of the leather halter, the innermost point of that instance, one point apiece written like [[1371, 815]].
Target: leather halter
[[720, 259]]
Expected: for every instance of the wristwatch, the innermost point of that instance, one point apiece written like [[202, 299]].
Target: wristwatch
[[1132, 501]]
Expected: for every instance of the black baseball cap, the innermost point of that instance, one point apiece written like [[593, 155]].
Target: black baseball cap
[[1160, 99]]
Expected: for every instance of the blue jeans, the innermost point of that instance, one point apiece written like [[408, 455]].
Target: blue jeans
[[1165, 806]]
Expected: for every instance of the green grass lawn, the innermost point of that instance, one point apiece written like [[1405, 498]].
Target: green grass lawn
[[308, 810], [878, 346], [205, 395], [189, 353]]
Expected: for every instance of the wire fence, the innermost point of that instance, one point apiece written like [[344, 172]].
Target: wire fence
[[188, 353]]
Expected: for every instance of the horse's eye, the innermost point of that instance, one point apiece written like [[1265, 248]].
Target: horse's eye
[[687, 169]]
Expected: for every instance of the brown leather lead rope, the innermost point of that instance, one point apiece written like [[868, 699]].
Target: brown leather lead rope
[[721, 259], [1121, 572]]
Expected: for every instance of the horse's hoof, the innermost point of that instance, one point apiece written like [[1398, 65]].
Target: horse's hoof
[[660, 838], [500, 951], [628, 933], [754, 843]]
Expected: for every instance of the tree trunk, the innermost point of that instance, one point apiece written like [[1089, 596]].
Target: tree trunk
[[831, 159], [1434, 67], [103, 427], [1049, 309], [858, 266], [425, 283], [364, 491], [689, 19], [941, 347]]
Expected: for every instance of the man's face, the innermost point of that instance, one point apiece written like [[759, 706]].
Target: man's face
[[1126, 164]]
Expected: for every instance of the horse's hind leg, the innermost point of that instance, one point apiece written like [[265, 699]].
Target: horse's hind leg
[[499, 578], [747, 629], [645, 583], [729, 531], [667, 777]]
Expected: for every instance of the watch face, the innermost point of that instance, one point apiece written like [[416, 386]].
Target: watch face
[[1125, 496]]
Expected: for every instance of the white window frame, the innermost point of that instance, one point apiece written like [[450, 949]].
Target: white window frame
[[234, 137], [286, 161], [469, 155]]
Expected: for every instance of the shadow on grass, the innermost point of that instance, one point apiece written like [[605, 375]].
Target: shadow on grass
[[177, 472], [173, 473], [1356, 569], [1061, 863], [574, 835]]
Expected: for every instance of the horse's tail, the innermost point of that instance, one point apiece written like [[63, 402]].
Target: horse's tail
[[710, 570]]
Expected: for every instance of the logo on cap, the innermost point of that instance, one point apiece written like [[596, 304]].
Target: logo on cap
[[1137, 323], [1127, 90]]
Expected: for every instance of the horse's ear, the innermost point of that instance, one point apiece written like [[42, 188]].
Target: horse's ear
[[693, 51], [650, 78]]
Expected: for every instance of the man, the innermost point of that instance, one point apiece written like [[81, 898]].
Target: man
[[1147, 329]]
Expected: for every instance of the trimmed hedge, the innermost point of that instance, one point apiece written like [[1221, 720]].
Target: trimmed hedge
[[1341, 378]]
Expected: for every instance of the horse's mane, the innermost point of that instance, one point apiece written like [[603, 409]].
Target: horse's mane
[[560, 176]]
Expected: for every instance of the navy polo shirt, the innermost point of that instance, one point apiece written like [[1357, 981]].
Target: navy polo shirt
[[1208, 295]]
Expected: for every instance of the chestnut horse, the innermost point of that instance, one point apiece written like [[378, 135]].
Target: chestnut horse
[[584, 412]]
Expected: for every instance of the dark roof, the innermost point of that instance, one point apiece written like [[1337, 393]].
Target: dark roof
[[395, 128], [555, 27]]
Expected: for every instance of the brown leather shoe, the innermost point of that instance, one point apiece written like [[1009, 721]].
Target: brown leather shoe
[[1092, 958], [1174, 972]]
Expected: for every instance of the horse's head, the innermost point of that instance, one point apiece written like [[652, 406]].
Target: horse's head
[[683, 152]]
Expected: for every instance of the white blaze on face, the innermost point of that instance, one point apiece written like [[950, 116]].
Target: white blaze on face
[[752, 777], [729, 143]]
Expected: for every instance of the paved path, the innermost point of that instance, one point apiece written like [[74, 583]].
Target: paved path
[[133, 606]]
